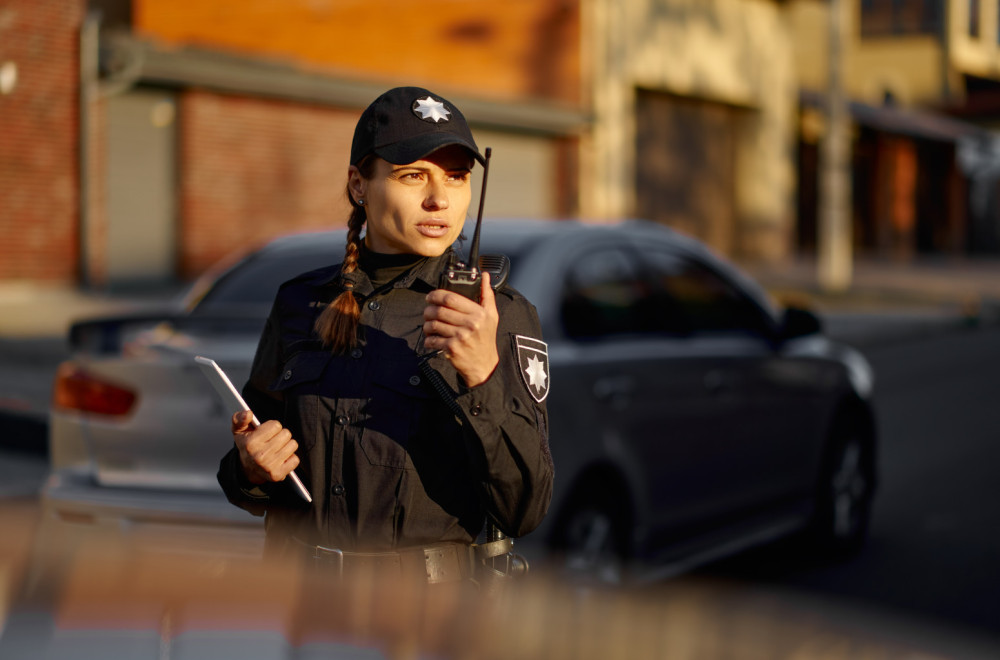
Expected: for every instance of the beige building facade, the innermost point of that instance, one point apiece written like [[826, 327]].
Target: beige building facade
[[914, 52], [694, 111]]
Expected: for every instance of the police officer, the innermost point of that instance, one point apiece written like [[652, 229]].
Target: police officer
[[403, 475]]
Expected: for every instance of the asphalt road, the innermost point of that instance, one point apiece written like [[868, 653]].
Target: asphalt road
[[934, 552]]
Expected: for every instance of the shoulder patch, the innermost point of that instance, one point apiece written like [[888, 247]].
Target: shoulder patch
[[533, 363]]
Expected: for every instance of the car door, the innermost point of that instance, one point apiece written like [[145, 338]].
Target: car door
[[642, 396], [755, 409]]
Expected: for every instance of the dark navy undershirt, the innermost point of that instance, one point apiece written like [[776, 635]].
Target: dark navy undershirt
[[384, 268]]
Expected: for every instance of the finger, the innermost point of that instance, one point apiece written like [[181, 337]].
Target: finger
[[486, 297], [270, 453], [449, 299], [283, 462], [447, 324], [434, 342], [290, 464], [268, 437]]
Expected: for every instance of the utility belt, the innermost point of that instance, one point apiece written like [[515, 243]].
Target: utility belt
[[435, 564]]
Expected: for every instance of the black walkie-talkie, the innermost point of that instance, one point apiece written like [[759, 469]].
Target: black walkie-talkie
[[466, 277]]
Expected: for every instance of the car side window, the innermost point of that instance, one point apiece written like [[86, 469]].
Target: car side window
[[692, 298], [604, 294]]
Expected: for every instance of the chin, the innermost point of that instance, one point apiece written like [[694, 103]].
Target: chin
[[432, 247]]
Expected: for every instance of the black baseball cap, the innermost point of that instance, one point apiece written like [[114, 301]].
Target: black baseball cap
[[406, 124]]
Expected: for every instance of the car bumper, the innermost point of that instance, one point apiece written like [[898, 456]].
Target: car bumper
[[175, 521]]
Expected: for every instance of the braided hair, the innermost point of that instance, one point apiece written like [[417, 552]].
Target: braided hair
[[337, 325]]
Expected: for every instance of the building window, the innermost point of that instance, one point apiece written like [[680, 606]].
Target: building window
[[900, 17], [974, 18]]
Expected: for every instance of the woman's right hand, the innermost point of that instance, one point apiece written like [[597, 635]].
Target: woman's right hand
[[267, 452]]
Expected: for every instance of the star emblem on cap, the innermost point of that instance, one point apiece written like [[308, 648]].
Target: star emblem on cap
[[430, 109]]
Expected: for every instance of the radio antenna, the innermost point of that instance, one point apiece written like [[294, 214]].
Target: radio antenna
[[474, 248]]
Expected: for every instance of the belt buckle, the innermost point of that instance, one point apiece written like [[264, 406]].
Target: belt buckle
[[442, 564], [321, 556]]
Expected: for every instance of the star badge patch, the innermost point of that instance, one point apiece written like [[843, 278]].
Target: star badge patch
[[533, 363], [430, 109]]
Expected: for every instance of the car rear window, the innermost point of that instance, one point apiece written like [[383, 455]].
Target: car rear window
[[255, 280], [252, 283]]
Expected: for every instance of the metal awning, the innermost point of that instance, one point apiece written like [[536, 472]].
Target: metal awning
[[911, 122]]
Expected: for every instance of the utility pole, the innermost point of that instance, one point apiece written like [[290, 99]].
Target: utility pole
[[89, 47], [835, 257]]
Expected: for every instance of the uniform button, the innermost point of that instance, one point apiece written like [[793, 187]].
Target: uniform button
[[357, 353], [475, 410], [414, 380], [342, 420], [374, 305], [287, 374], [338, 490]]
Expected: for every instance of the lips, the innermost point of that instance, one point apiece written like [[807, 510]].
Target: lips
[[433, 229]]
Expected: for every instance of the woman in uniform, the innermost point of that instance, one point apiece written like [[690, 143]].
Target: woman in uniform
[[402, 474]]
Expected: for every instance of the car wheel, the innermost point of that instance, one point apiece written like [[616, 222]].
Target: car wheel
[[845, 494], [591, 543]]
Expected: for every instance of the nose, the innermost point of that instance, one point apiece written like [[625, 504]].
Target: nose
[[437, 196]]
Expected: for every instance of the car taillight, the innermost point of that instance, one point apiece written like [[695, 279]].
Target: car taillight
[[77, 389]]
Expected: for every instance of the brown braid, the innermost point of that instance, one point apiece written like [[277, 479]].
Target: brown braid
[[337, 325]]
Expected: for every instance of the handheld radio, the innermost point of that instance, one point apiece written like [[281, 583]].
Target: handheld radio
[[465, 277]]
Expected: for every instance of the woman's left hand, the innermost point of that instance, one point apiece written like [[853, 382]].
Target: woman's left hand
[[466, 331]]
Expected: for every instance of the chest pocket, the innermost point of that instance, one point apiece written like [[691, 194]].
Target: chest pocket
[[302, 376], [393, 420], [302, 372]]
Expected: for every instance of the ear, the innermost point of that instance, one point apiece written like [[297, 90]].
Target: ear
[[356, 184]]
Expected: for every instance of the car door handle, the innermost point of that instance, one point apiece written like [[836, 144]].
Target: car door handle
[[614, 388]]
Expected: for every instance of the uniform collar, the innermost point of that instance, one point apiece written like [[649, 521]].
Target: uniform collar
[[427, 271]]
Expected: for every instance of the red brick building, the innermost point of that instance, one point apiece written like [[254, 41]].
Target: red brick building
[[38, 147]]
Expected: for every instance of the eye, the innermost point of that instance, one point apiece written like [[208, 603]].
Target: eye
[[459, 176]]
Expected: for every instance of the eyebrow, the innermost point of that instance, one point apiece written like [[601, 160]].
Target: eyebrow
[[400, 168]]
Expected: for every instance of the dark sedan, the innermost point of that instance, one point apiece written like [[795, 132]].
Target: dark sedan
[[690, 418]]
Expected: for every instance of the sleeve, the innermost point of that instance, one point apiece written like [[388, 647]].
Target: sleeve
[[507, 424], [265, 405]]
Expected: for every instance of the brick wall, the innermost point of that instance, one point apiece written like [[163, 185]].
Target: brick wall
[[252, 168], [38, 150]]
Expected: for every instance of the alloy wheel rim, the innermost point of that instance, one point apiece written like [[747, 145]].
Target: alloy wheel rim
[[849, 490]]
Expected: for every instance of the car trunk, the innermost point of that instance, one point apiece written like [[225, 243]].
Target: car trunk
[[177, 429]]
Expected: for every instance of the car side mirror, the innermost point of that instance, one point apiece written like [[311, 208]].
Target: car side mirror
[[798, 322]]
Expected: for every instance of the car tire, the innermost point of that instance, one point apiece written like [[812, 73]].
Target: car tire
[[844, 494], [591, 543]]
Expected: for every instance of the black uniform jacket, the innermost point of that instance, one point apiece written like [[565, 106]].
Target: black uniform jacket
[[388, 461]]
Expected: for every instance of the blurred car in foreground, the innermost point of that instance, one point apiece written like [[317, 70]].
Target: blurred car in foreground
[[690, 418]]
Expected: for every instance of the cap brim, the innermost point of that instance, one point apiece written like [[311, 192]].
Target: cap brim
[[420, 146]]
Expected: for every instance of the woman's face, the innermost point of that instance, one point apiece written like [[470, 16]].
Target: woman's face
[[417, 208]]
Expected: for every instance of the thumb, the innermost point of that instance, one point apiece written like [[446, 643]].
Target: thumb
[[242, 421]]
